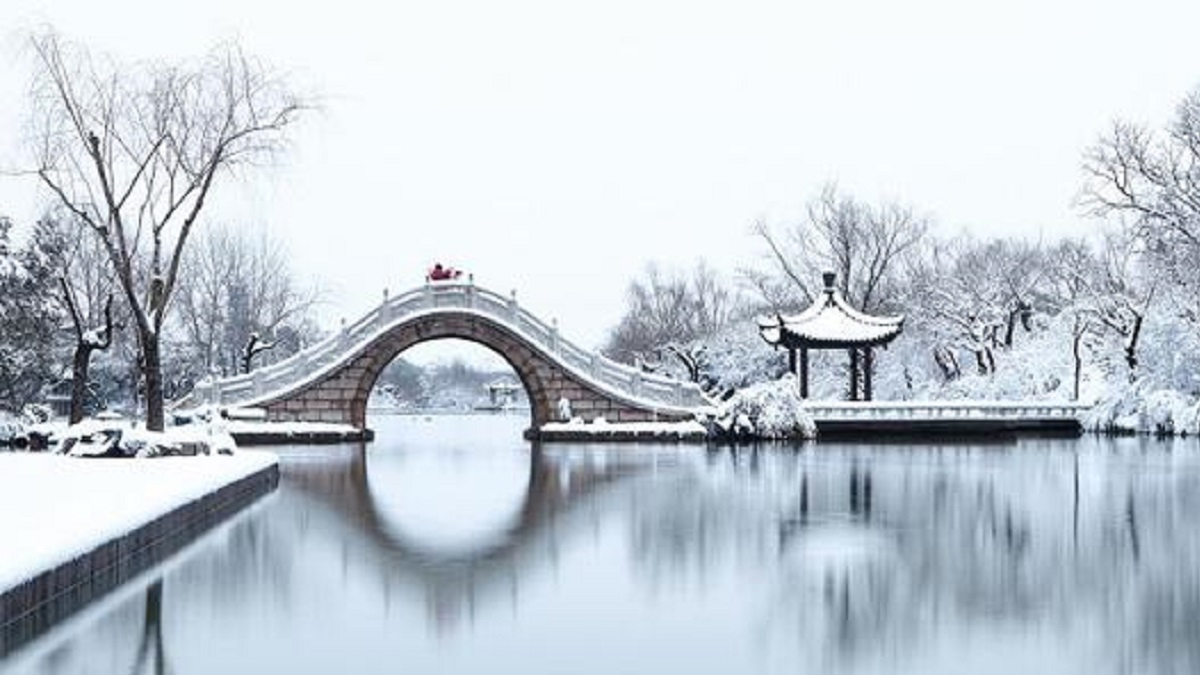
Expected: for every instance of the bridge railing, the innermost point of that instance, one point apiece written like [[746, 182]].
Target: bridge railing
[[901, 410], [288, 373]]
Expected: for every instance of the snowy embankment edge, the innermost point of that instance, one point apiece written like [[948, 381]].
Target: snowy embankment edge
[[41, 592], [768, 411], [602, 430]]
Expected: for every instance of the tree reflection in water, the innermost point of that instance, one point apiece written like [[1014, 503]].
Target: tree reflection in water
[[884, 553], [150, 656], [1048, 556]]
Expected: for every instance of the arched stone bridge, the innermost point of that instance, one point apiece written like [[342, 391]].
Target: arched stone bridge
[[331, 381]]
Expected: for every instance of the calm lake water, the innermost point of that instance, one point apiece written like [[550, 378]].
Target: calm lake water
[[449, 546]]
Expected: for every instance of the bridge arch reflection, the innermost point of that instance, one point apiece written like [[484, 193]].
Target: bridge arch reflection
[[544, 495]]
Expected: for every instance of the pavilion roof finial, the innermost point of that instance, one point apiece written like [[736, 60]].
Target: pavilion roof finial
[[830, 278]]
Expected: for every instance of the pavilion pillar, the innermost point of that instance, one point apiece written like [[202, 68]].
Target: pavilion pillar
[[792, 360], [868, 366], [804, 372], [853, 373]]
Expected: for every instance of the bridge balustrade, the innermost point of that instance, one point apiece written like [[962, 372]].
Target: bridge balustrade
[[941, 410], [277, 378]]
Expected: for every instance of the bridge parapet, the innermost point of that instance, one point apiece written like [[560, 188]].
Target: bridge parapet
[[921, 410], [927, 419], [272, 381]]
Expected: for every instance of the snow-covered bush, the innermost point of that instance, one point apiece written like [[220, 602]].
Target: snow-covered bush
[[117, 438], [770, 410], [737, 357], [1140, 410]]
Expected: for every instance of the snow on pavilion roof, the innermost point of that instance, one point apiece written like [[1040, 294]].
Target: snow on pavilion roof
[[830, 322]]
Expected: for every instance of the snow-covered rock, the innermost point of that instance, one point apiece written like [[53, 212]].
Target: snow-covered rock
[[601, 427]]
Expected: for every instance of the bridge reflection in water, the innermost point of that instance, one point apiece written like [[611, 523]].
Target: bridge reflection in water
[[1043, 556], [514, 540]]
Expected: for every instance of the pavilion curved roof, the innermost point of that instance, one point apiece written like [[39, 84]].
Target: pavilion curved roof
[[830, 322]]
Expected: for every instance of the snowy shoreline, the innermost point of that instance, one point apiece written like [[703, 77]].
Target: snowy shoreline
[[57, 509]]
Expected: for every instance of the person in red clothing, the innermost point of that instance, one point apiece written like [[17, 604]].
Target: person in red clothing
[[439, 273]]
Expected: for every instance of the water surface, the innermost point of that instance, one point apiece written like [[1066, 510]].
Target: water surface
[[451, 546]]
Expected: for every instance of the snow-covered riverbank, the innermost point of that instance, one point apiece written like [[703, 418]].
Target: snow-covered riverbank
[[55, 508]]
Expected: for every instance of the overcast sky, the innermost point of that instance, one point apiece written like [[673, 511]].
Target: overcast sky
[[555, 147]]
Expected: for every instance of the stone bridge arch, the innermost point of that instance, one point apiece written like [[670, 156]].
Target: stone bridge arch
[[341, 395], [331, 380]]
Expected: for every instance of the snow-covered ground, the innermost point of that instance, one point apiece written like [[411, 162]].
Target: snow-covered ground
[[601, 427], [247, 420], [287, 428], [54, 508]]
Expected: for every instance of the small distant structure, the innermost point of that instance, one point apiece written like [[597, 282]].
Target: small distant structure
[[502, 395], [501, 392], [831, 323]]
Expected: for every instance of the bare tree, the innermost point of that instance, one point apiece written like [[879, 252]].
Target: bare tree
[[864, 245], [975, 294], [87, 340], [1121, 294], [86, 290], [254, 346], [237, 283], [1073, 273], [1152, 182], [668, 310], [134, 152]]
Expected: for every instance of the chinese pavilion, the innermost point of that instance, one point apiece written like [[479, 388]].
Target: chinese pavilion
[[831, 323]]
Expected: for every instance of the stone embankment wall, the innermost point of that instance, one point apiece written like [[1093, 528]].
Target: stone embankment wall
[[29, 609]]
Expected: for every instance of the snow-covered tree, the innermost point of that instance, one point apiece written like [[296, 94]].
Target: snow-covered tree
[[29, 317], [1151, 181], [85, 295], [976, 296], [865, 245], [135, 151]]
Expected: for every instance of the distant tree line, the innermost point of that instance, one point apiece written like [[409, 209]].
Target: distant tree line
[[455, 383]]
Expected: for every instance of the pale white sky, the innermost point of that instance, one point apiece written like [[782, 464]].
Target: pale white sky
[[554, 147]]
